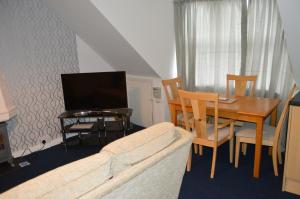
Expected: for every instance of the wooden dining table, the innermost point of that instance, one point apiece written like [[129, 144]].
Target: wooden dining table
[[246, 109]]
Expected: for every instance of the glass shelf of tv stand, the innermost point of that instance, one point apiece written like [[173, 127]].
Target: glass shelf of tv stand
[[127, 112], [123, 114], [82, 130], [93, 127]]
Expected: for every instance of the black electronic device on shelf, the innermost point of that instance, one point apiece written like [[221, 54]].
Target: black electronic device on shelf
[[94, 91]]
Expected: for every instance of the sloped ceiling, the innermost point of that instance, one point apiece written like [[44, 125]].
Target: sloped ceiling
[[92, 26], [148, 25]]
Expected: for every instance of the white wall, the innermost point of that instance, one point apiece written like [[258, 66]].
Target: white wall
[[290, 14], [89, 60], [140, 100], [161, 109], [148, 26], [146, 110]]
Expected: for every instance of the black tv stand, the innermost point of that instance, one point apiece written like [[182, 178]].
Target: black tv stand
[[92, 127]]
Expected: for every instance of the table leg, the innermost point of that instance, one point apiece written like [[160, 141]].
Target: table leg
[[62, 125], [258, 146], [124, 125]]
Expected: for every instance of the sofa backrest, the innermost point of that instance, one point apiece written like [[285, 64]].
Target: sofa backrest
[[140, 145], [152, 166], [158, 176]]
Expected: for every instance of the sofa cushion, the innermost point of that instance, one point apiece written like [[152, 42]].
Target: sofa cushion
[[139, 146], [64, 181]]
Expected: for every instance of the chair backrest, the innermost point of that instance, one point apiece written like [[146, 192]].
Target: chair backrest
[[240, 84], [171, 87], [198, 101], [283, 116]]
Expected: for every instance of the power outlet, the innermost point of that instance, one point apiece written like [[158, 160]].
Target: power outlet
[[43, 139]]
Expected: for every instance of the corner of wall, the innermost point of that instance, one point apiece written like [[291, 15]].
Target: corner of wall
[[89, 60]]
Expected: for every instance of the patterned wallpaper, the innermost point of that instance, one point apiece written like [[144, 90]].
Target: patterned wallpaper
[[35, 48]]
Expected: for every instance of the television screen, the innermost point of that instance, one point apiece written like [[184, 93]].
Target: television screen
[[91, 91]]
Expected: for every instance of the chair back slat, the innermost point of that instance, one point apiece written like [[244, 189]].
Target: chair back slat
[[240, 84], [198, 101], [199, 113], [171, 87], [283, 116]]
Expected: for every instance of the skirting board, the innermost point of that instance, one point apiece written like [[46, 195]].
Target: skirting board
[[37, 147]]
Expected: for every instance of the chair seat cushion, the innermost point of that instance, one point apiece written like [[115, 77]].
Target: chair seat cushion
[[180, 116], [249, 130], [222, 133], [141, 145]]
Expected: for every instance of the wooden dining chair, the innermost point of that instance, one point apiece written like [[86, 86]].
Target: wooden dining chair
[[171, 87], [240, 89], [240, 84], [210, 135], [271, 135]]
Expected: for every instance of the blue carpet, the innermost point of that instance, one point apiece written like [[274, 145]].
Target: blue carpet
[[229, 182]]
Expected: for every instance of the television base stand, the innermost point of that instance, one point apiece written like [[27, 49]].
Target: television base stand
[[75, 121]]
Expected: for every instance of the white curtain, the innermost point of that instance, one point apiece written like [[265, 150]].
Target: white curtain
[[209, 44], [217, 37], [218, 45], [185, 12], [267, 54]]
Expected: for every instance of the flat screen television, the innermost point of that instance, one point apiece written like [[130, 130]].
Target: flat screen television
[[94, 91]]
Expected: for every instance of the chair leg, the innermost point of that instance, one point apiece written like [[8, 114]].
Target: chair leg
[[213, 164], [237, 152], [231, 150], [244, 148], [179, 123], [195, 148], [200, 150], [274, 159], [189, 162], [231, 136], [270, 150], [279, 154]]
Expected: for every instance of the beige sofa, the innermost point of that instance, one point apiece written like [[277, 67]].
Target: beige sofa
[[146, 164]]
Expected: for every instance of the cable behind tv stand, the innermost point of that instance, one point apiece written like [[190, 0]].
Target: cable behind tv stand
[[122, 114]]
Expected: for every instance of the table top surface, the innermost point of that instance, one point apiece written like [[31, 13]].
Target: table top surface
[[245, 105]]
